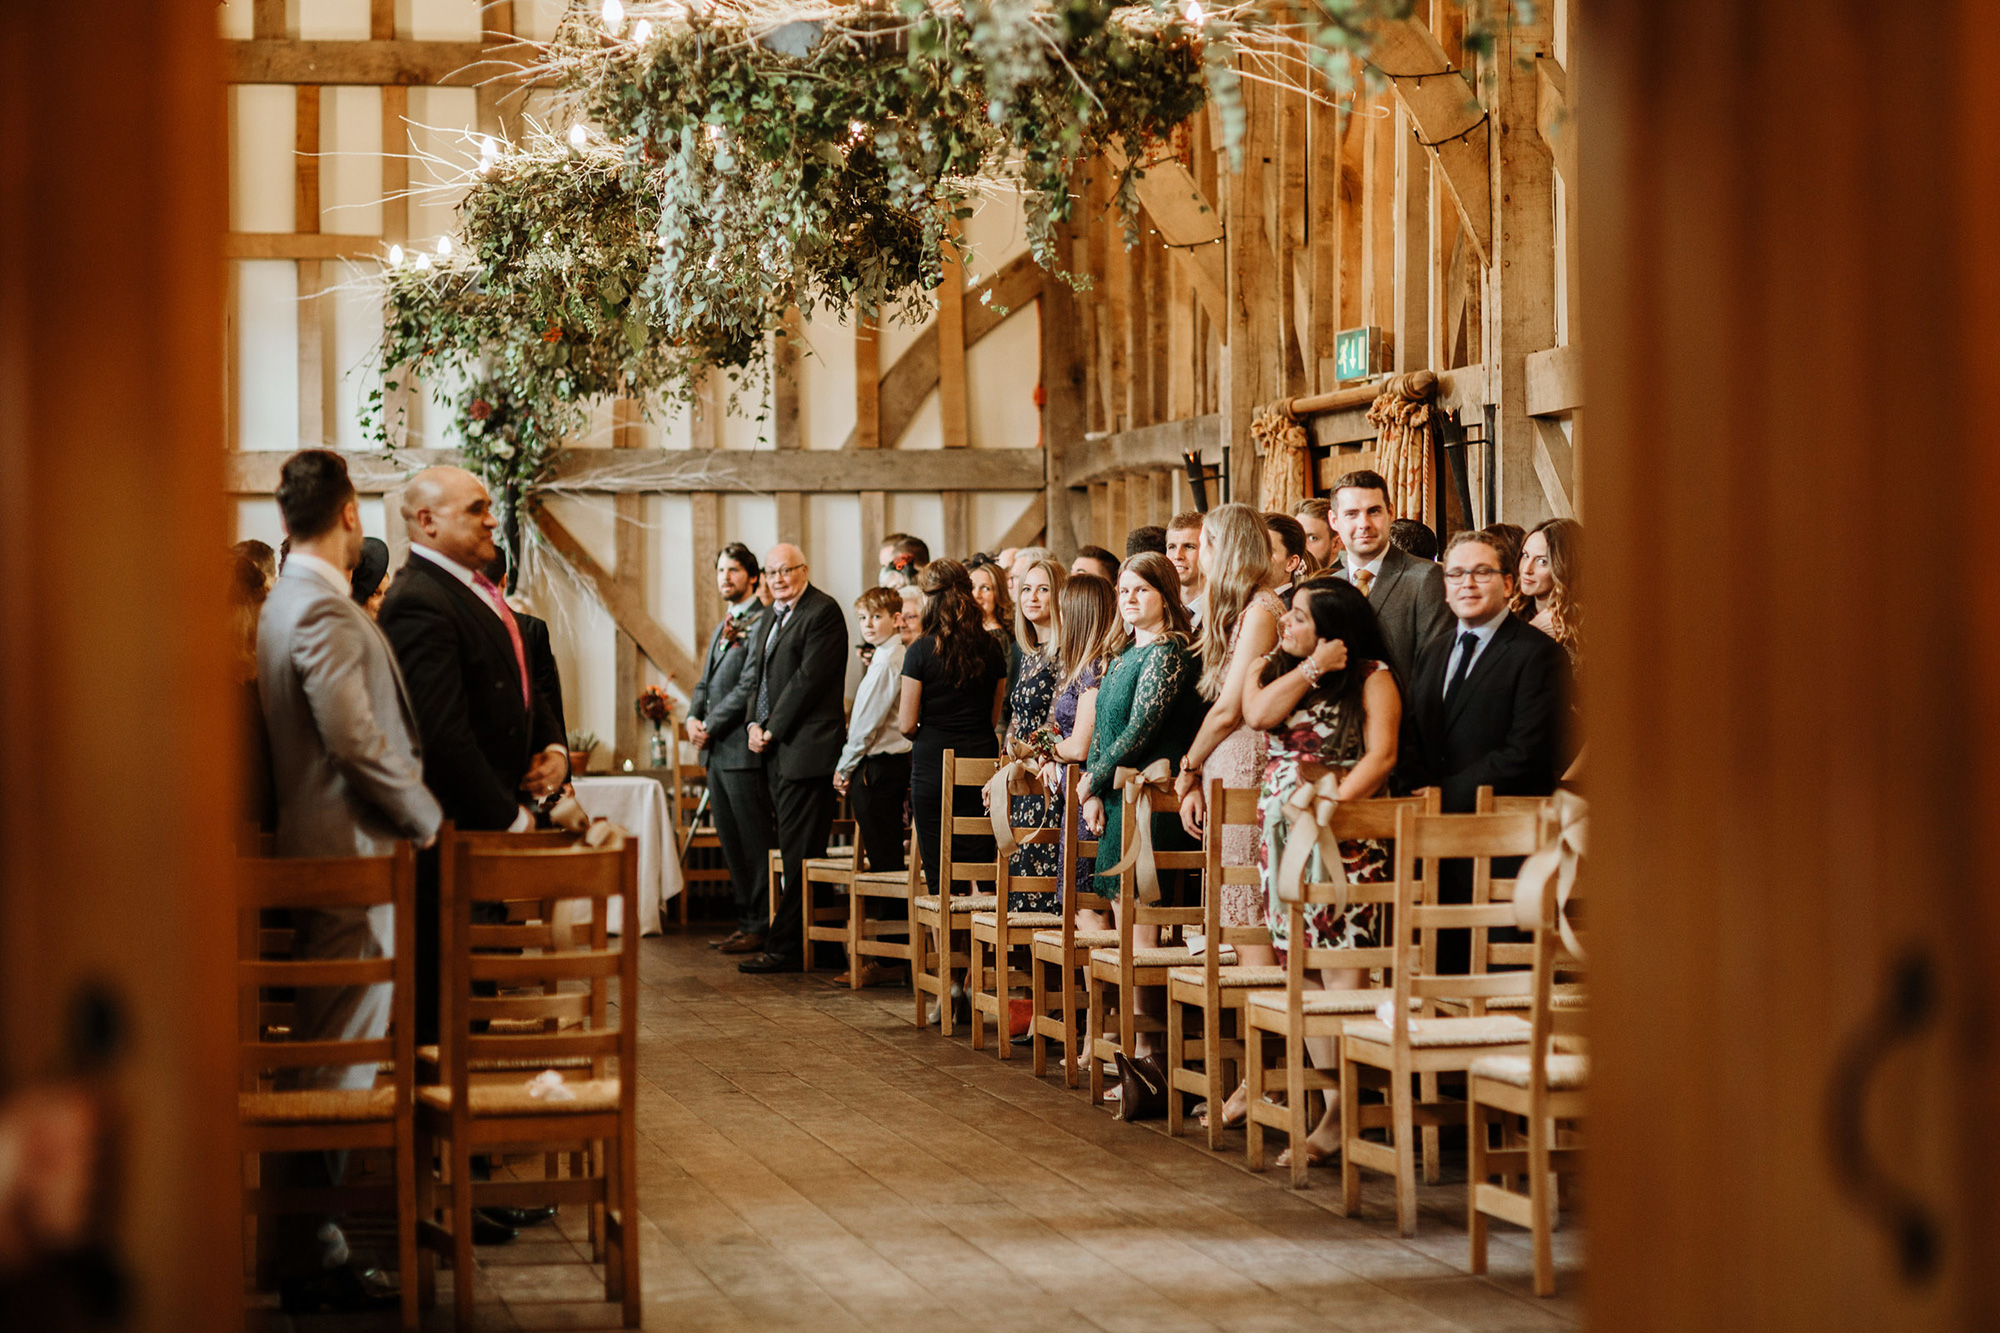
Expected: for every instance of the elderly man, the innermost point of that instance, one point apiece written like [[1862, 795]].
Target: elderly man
[[797, 724]]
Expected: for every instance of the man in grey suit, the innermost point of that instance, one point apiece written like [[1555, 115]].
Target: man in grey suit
[[1407, 593], [718, 727], [349, 781]]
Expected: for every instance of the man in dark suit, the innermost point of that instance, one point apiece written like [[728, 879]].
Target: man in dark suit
[[1486, 708], [718, 725], [1407, 593], [796, 724]]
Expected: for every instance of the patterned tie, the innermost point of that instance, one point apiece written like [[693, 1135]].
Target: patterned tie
[[1364, 580], [1468, 644], [764, 676], [506, 614]]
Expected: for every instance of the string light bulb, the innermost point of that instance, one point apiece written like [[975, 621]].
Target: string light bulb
[[642, 32], [444, 247], [614, 16], [578, 136], [395, 256], [423, 263], [1194, 13]]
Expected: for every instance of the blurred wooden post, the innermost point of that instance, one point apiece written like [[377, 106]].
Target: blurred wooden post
[[120, 803]]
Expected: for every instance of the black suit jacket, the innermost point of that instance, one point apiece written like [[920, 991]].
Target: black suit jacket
[[722, 698], [478, 735], [542, 669], [1502, 728], [806, 665]]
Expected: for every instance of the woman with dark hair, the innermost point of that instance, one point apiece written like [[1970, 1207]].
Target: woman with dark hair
[[952, 678], [1330, 702], [1291, 561], [1551, 563], [1507, 540], [370, 581]]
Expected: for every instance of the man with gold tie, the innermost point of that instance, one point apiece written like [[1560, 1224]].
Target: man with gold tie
[[1406, 593]]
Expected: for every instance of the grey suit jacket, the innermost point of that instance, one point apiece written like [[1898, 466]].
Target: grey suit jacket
[[1408, 598], [345, 762], [721, 698]]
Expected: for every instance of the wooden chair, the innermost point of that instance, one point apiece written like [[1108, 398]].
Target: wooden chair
[[1003, 931], [697, 844], [941, 916], [852, 875], [1217, 991], [274, 1120], [1544, 1089], [599, 1118], [1297, 1012], [1393, 1054], [1126, 966], [1066, 949]]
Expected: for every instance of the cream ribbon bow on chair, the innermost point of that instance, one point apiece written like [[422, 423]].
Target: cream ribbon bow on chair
[[1312, 804], [1556, 863], [1018, 776], [1133, 782]]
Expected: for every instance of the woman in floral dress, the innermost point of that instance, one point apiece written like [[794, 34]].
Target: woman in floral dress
[[1090, 635], [1330, 702], [1037, 628]]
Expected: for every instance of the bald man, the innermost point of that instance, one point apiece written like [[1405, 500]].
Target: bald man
[[796, 723]]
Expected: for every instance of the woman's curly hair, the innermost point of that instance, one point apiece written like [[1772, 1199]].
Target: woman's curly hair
[[955, 625]]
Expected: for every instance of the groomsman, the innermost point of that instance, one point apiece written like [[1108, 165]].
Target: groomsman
[[797, 725], [1407, 594], [348, 775], [1486, 707], [718, 725]]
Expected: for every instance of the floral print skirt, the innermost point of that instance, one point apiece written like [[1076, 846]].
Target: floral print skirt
[[1357, 926], [1039, 860]]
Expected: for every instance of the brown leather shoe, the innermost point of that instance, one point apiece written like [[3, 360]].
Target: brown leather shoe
[[742, 943]]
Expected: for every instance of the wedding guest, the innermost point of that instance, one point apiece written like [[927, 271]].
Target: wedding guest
[[1095, 560], [989, 589], [903, 560], [1005, 557], [1315, 515], [951, 692], [1151, 537], [1331, 706], [1184, 550], [371, 577], [910, 619], [1025, 556], [1290, 562], [260, 557], [1509, 539], [348, 782], [1030, 699], [1406, 534], [1406, 594], [1147, 710], [1090, 634], [1550, 567], [873, 770], [248, 587], [797, 723], [1241, 627], [1486, 707], [718, 726]]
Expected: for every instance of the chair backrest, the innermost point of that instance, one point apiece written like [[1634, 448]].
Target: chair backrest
[[347, 885], [1131, 912], [1430, 838], [1077, 851], [1491, 949], [1556, 1025], [960, 773], [1006, 881], [1352, 821], [571, 965], [1228, 807]]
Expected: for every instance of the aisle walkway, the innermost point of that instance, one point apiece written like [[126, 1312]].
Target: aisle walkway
[[812, 1161]]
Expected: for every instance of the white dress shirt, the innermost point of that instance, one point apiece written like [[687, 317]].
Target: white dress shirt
[[871, 728], [1484, 634]]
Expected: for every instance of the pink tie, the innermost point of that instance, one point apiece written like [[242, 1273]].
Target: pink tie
[[506, 614]]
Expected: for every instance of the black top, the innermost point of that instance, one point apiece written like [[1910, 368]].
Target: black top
[[953, 712]]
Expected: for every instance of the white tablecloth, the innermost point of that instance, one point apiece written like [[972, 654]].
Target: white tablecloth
[[639, 806]]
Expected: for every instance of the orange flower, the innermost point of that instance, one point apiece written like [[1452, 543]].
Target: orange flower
[[553, 333]]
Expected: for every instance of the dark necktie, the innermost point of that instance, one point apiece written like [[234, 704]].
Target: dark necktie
[[1468, 644], [764, 676]]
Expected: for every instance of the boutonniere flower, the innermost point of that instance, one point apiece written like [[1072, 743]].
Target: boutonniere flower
[[733, 631]]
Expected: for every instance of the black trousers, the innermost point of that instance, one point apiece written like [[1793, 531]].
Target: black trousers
[[877, 795], [740, 799], [804, 811], [927, 801]]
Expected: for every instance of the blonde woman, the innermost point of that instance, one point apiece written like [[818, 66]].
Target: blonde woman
[[1549, 567], [1037, 632], [1090, 634]]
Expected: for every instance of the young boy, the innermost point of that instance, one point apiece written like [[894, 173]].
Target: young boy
[[874, 767]]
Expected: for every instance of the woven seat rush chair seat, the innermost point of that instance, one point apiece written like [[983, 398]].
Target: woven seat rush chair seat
[[1000, 932]]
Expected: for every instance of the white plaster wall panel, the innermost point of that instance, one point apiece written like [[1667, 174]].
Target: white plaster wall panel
[[257, 519], [262, 121], [236, 20], [826, 384], [351, 323], [442, 121], [897, 336], [582, 636], [1001, 371], [750, 519], [350, 171], [537, 18], [332, 20], [746, 421], [439, 20], [921, 514], [993, 512], [671, 573], [926, 429], [267, 349], [995, 233], [839, 566]]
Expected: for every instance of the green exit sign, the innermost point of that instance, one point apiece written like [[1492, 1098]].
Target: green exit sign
[[1355, 352]]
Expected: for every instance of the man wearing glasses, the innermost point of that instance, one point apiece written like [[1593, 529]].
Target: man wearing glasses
[[1486, 708], [796, 722]]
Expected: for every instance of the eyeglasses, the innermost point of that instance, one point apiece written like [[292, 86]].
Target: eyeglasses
[[1483, 573], [784, 571]]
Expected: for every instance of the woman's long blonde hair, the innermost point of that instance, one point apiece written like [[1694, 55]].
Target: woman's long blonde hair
[[1024, 633], [1092, 633], [1240, 553]]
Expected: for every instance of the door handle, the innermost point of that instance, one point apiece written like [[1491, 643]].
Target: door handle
[[1908, 1003]]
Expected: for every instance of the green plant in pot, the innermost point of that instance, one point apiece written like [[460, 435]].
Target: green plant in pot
[[582, 744]]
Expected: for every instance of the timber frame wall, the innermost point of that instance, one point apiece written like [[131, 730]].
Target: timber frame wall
[[1432, 206]]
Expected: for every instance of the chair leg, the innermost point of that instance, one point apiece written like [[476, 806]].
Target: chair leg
[[806, 922], [1403, 1126], [1072, 1076], [857, 917], [975, 985], [1175, 1025], [945, 1016], [1212, 1066], [1038, 998], [919, 965], [1253, 1092], [424, 1275], [1003, 992], [406, 1227], [1475, 1176], [614, 1254], [1094, 1023], [461, 1232], [1296, 1127], [1350, 1133], [1540, 1213], [1428, 1085]]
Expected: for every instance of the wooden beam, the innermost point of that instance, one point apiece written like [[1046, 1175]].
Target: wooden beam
[[312, 376], [791, 513], [868, 383], [1522, 287], [958, 538], [708, 416], [785, 433], [1555, 381], [1553, 120], [378, 63], [286, 245], [1412, 246], [1064, 389], [1144, 449], [1553, 467], [1026, 530], [705, 511], [874, 527], [629, 569], [627, 611], [1442, 104], [954, 423]]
